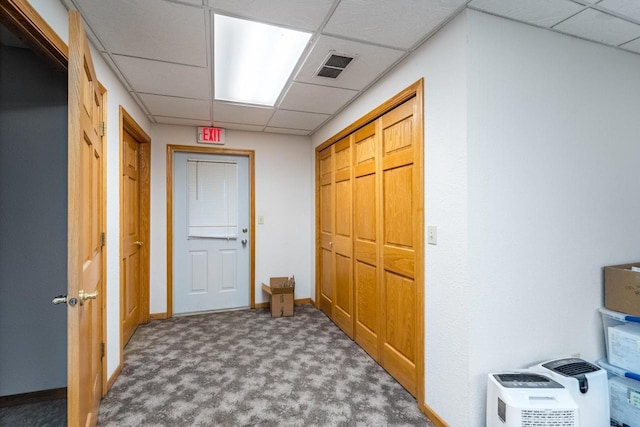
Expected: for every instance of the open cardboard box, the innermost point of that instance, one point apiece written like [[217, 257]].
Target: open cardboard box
[[282, 290], [622, 288]]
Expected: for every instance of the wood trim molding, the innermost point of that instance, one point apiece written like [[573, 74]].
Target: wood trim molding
[[30, 27], [158, 316], [171, 150], [431, 414], [33, 397], [103, 226], [113, 378], [416, 90], [387, 106]]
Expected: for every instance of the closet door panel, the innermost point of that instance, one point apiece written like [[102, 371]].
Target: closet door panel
[[343, 237], [366, 289], [325, 166], [399, 215]]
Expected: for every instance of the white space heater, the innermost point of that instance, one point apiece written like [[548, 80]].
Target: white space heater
[[587, 384], [529, 399]]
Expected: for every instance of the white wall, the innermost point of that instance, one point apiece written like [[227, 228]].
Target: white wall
[[56, 16], [283, 176], [553, 182], [442, 63]]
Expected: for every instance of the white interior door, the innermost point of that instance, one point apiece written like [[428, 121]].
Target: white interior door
[[210, 232]]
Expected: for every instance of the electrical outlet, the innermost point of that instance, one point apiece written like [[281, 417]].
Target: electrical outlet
[[432, 234]]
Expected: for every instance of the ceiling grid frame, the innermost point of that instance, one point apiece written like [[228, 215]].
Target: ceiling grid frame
[[151, 68]]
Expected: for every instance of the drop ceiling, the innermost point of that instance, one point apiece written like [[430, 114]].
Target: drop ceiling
[[161, 50]]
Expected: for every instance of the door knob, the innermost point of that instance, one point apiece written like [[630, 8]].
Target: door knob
[[84, 296], [62, 299], [244, 242], [244, 230], [139, 243]]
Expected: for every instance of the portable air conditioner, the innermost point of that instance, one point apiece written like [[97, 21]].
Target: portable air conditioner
[[588, 385], [528, 399]]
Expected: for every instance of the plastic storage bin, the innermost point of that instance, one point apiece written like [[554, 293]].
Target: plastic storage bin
[[624, 395], [622, 337]]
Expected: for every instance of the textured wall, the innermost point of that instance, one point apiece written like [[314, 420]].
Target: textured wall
[[553, 178], [283, 173]]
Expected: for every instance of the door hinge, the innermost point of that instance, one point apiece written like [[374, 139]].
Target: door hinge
[[101, 350], [102, 239], [102, 129]]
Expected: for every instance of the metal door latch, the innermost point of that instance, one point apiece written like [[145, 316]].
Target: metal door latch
[[62, 299]]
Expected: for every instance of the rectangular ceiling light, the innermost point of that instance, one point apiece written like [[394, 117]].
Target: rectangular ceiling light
[[252, 60]]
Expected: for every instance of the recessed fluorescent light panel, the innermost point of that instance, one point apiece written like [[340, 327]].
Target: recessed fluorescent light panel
[[253, 61]]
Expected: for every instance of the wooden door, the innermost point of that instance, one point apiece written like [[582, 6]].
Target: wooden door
[[343, 235], [367, 298], [85, 245], [325, 171], [132, 245], [401, 236]]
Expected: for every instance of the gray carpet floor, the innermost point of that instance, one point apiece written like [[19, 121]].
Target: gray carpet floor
[[244, 368], [51, 413]]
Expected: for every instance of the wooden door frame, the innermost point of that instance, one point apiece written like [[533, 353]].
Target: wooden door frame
[[415, 90], [26, 23], [128, 124], [171, 150]]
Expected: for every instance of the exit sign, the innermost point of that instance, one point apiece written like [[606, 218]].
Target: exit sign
[[210, 135]]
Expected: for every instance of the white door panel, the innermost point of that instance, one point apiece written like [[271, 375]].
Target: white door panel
[[210, 232]]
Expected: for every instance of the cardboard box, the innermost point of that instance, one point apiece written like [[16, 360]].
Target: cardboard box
[[622, 289], [282, 290]]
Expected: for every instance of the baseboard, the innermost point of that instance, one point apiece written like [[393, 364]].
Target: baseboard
[[157, 316], [33, 397], [113, 378], [431, 414], [299, 301]]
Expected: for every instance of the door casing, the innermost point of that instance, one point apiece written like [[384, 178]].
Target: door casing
[[171, 149], [128, 124]]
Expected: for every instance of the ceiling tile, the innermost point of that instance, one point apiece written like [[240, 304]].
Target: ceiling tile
[[630, 8], [545, 13], [169, 106], [601, 27], [288, 131], [181, 122], [237, 126], [316, 99], [166, 79], [223, 112], [297, 120], [370, 61], [398, 23], [300, 14], [149, 29], [633, 46]]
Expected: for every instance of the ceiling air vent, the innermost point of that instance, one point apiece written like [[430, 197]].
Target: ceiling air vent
[[334, 64]]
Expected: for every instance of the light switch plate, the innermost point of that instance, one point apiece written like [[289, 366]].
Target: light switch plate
[[260, 219], [432, 234]]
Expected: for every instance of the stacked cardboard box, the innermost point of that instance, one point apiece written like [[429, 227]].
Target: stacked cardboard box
[[621, 322], [282, 291]]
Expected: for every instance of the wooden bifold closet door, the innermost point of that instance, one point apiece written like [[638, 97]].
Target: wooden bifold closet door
[[370, 238]]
